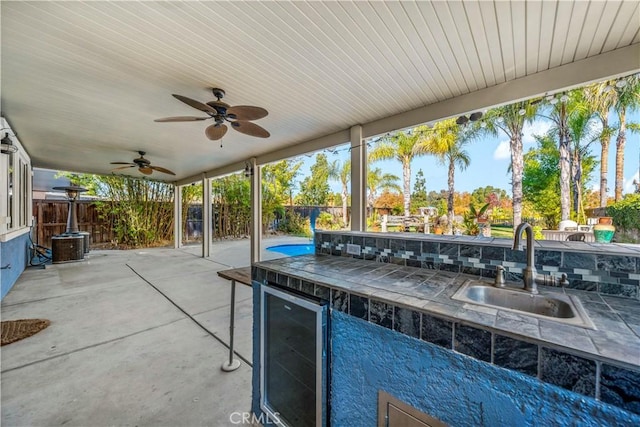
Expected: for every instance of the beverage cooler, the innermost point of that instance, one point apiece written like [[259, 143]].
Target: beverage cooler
[[294, 358]]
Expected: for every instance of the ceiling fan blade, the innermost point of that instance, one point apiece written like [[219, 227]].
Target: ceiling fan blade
[[247, 112], [215, 132], [181, 119], [195, 104], [250, 129], [161, 169], [123, 163], [145, 170], [123, 167]]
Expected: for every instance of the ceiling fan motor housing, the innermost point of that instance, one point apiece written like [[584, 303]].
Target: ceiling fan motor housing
[[219, 106]]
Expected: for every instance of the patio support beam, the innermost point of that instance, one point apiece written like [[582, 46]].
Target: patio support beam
[[256, 209], [206, 216], [177, 216], [358, 180]]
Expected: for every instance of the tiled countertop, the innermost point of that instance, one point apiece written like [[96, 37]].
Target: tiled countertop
[[589, 247], [616, 338]]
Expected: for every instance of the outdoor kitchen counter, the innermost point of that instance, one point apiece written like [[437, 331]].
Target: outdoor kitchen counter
[[616, 339]]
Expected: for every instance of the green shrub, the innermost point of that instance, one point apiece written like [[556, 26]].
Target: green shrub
[[294, 224], [626, 213]]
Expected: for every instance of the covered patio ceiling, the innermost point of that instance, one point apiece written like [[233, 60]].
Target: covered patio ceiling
[[82, 82]]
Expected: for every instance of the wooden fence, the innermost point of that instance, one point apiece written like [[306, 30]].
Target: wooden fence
[[51, 219]]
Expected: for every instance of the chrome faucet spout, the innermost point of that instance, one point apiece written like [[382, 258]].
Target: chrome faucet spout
[[530, 274]]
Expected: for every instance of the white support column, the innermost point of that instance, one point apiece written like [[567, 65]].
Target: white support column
[[358, 180], [177, 216], [206, 216], [256, 210]]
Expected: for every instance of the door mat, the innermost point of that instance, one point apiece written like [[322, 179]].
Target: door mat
[[15, 330]]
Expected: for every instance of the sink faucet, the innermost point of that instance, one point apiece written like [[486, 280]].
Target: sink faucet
[[530, 274]]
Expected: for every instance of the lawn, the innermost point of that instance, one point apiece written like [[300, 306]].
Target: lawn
[[502, 231]]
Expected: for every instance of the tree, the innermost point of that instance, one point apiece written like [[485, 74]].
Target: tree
[[541, 179], [393, 202], [488, 194], [282, 174], [377, 180], [278, 183], [403, 146], [510, 120], [419, 195], [140, 210], [627, 100], [232, 196], [314, 189], [190, 194], [342, 173], [446, 141], [581, 135], [600, 97], [438, 200]]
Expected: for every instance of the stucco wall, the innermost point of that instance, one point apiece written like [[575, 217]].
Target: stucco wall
[[456, 389], [13, 252]]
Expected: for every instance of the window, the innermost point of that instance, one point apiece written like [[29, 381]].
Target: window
[[15, 186]]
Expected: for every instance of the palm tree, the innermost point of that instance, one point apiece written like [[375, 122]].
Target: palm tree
[[627, 100], [403, 146], [510, 119], [377, 180], [600, 97], [581, 135], [342, 172], [446, 141]]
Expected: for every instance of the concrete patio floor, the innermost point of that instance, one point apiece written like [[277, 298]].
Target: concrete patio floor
[[119, 352]]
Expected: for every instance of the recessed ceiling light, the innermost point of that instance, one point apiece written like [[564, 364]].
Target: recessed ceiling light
[[522, 112], [564, 98]]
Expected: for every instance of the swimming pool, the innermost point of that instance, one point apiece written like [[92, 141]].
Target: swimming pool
[[293, 250]]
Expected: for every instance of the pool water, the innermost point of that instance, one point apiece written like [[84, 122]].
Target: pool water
[[293, 250]]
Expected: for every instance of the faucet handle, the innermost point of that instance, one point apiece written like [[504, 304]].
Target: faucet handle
[[499, 281], [564, 280]]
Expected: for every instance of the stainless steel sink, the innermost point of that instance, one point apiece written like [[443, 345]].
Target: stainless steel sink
[[548, 305]]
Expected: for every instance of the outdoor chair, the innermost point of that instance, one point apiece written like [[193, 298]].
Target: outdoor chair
[[576, 237]]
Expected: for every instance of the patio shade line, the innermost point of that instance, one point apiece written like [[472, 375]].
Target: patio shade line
[[189, 316], [77, 350]]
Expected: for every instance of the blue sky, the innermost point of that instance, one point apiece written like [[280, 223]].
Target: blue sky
[[490, 159]]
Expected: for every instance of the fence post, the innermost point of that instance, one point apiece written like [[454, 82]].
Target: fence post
[[384, 223]]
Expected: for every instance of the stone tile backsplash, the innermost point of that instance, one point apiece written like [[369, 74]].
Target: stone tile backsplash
[[606, 273]]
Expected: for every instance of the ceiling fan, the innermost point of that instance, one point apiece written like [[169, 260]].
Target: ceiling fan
[[238, 117], [143, 165]]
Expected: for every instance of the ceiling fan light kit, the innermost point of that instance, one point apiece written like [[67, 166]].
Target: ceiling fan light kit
[[239, 117]]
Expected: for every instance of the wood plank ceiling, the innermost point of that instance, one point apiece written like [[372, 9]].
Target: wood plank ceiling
[[83, 81]]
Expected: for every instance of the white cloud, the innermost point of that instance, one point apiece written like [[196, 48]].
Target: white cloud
[[538, 127], [628, 183], [503, 151]]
